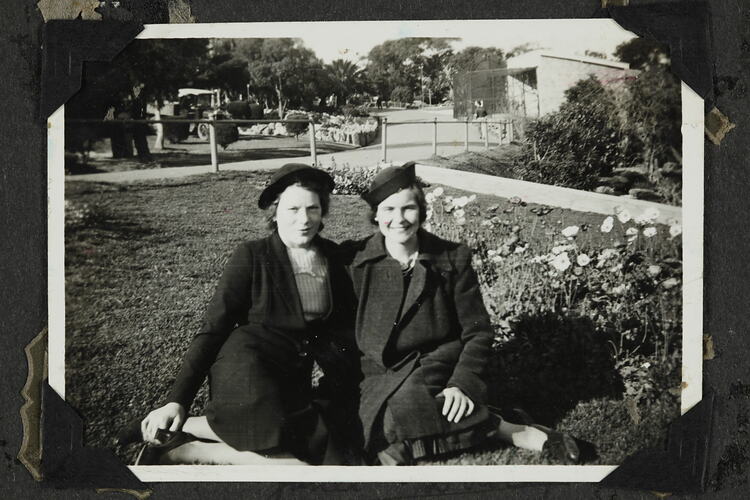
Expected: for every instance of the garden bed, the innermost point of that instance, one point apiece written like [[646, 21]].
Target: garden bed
[[586, 308]]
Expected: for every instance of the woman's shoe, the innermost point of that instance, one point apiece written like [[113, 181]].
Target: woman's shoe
[[131, 433], [150, 454], [560, 446]]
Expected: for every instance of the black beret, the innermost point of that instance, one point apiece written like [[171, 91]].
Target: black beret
[[388, 181], [288, 174]]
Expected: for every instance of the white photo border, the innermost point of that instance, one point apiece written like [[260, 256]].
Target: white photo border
[[692, 237]]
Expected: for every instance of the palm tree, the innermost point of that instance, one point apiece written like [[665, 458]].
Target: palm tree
[[346, 77]]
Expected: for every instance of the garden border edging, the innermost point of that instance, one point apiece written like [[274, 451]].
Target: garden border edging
[[544, 194]]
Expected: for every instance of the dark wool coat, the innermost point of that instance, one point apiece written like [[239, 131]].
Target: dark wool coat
[[259, 351], [441, 338]]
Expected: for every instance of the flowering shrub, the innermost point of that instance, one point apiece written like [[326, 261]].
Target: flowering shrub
[[350, 180], [336, 128], [618, 280]]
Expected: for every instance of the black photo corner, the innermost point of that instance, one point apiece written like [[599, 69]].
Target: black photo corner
[[683, 465]]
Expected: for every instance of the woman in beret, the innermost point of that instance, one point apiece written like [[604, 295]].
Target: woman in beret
[[425, 338], [282, 303]]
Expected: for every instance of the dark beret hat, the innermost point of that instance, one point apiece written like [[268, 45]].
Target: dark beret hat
[[388, 181], [287, 175]]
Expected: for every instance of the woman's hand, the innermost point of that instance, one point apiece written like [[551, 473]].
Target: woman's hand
[[457, 405], [170, 416]]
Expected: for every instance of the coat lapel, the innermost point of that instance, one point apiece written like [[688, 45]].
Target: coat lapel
[[282, 276]]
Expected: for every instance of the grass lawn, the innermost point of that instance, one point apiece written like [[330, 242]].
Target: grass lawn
[[142, 261]]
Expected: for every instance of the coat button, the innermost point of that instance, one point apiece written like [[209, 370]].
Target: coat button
[[302, 354], [305, 342]]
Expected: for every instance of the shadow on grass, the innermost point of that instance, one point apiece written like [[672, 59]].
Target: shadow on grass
[[553, 363]]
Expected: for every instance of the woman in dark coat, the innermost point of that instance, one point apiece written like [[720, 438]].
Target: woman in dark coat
[[425, 338], [283, 302]]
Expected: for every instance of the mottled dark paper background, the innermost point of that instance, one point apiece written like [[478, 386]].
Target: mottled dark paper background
[[23, 244]]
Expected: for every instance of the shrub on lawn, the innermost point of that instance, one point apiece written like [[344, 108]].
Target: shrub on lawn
[[402, 94], [551, 362], [297, 128], [226, 134], [350, 180]]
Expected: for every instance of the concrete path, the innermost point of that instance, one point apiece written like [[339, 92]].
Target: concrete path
[[405, 142]]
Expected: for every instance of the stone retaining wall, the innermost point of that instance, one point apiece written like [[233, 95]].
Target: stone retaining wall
[[531, 192]]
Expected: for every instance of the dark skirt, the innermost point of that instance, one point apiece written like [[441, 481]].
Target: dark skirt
[[261, 402], [478, 429]]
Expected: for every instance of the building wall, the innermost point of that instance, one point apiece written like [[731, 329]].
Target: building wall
[[555, 76]]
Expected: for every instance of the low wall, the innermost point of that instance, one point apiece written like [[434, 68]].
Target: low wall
[[531, 192]]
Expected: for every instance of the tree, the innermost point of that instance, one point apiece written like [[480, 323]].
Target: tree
[[146, 71], [654, 113], [283, 69], [223, 70], [346, 78], [474, 58], [642, 52], [522, 49], [406, 62]]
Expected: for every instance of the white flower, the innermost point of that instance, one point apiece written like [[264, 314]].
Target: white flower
[[622, 215], [485, 222], [429, 214], [561, 248], [583, 260], [619, 289], [460, 221], [675, 229], [616, 268], [654, 270], [521, 249], [561, 262], [460, 202], [491, 253], [459, 214], [538, 259], [429, 198], [670, 283], [649, 232], [607, 224], [437, 192], [607, 253], [649, 216], [473, 197], [570, 231], [497, 259], [631, 233]]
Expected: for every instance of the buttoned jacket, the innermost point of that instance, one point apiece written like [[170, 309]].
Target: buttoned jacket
[[258, 293], [439, 337]]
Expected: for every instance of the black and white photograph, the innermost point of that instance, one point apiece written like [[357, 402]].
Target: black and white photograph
[[433, 244]]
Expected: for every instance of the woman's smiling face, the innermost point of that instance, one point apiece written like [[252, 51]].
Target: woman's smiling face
[[398, 216], [298, 216]]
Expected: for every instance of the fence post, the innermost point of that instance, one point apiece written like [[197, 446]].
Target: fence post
[[384, 139], [212, 140], [313, 150], [510, 134], [486, 135], [434, 138], [466, 137]]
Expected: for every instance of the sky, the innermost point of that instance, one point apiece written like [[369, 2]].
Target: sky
[[353, 40]]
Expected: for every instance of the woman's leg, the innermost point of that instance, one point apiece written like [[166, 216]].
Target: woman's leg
[[220, 452], [523, 436], [198, 452], [198, 427]]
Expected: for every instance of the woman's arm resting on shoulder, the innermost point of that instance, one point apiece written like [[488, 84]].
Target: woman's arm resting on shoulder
[[171, 416]]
